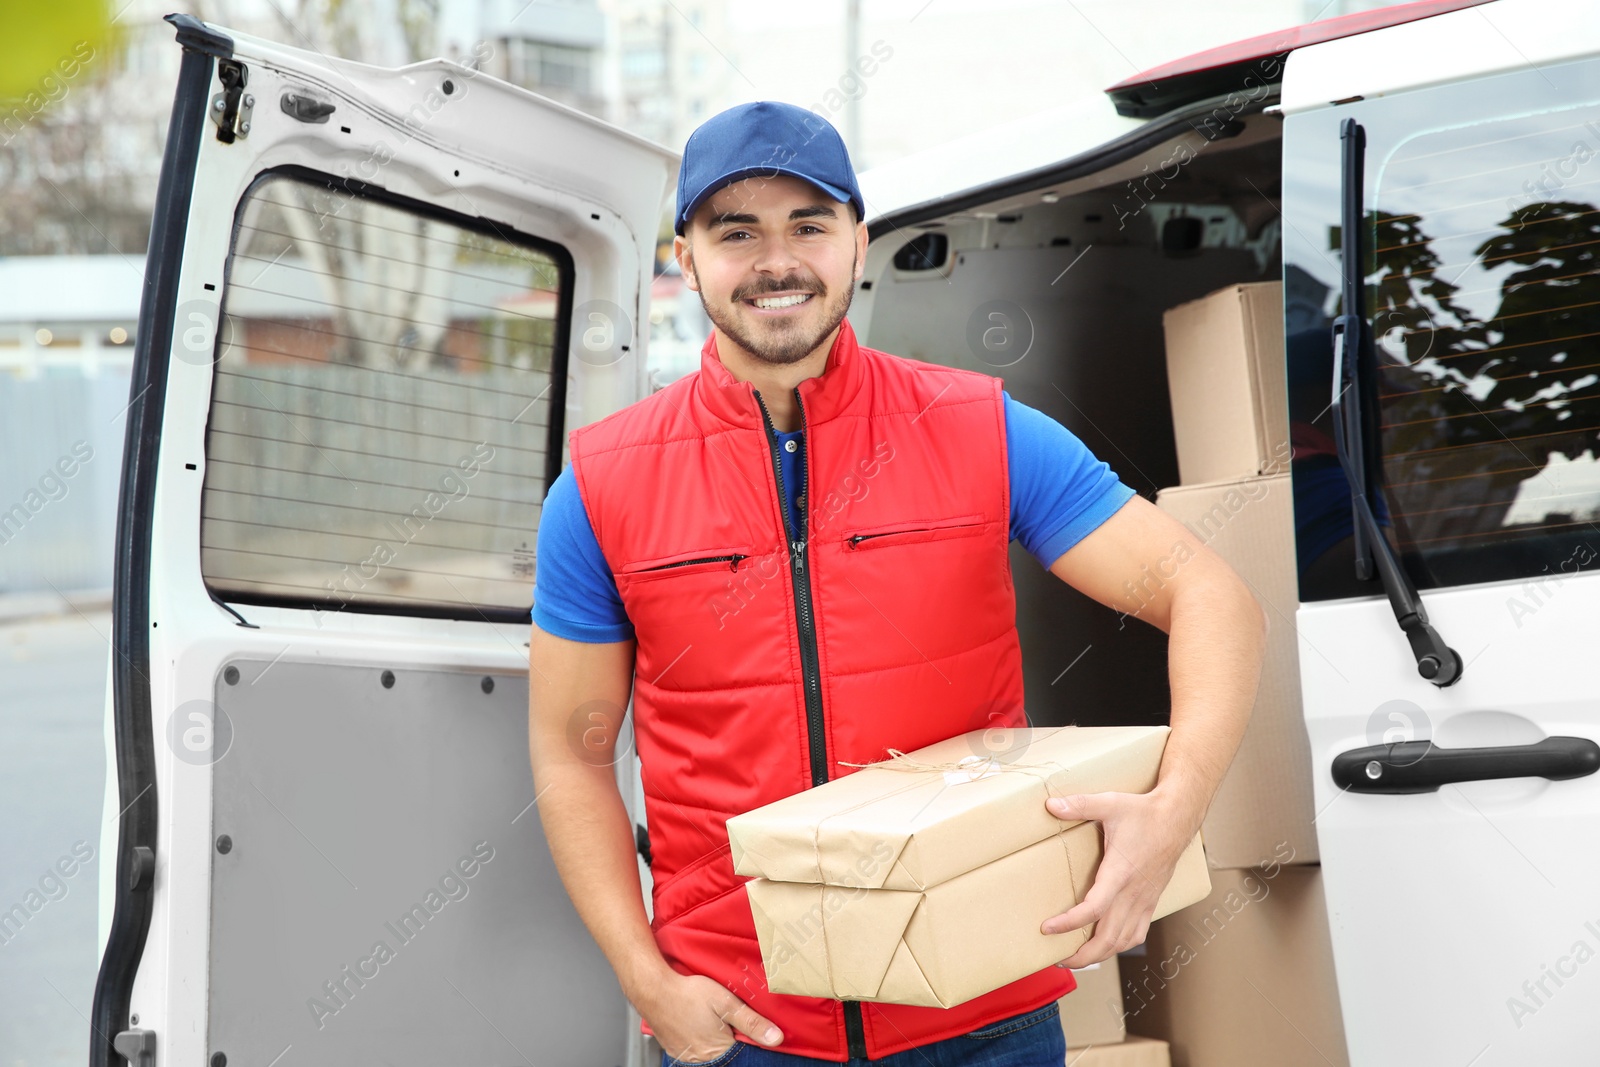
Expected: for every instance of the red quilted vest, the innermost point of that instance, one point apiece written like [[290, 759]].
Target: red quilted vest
[[761, 664]]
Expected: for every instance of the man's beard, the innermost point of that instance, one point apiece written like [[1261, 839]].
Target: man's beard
[[792, 342]]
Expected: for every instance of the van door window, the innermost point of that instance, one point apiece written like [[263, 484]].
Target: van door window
[[1482, 224], [386, 415]]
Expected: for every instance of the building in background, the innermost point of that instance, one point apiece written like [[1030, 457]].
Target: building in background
[[670, 72], [556, 48]]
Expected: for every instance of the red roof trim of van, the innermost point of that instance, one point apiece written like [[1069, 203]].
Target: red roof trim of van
[[1280, 41]]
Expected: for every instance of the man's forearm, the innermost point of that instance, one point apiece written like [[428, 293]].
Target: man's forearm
[[591, 840], [1216, 641]]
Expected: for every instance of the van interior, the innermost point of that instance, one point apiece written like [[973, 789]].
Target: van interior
[[1080, 270]]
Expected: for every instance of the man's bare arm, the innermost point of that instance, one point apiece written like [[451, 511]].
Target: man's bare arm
[[1144, 562], [578, 694], [577, 697], [1217, 629]]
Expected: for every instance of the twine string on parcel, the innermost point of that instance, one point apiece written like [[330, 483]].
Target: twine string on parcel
[[822, 880]]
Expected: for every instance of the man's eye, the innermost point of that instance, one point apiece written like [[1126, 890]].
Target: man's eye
[[735, 233], [812, 227]]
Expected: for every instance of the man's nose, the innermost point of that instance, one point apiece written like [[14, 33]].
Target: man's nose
[[777, 257]]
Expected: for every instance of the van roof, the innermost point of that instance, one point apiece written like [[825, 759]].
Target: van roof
[[1218, 71], [1017, 147]]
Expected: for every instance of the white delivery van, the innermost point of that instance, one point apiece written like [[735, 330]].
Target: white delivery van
[[377, 299]]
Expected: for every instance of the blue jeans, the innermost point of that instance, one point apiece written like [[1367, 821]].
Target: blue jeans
[[1032, 1039]]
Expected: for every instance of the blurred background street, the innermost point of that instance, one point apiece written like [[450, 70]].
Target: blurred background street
[[82, 125]]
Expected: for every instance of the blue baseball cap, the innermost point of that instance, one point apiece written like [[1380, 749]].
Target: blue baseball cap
[[764, 138]]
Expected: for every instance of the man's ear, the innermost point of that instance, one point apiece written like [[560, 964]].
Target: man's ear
[[683, 252], [861, 250]]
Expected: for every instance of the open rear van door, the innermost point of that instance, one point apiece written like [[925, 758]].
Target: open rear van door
[[375, 301], [1453, 165]]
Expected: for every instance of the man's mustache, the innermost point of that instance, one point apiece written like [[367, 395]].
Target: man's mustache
[[792, 284]]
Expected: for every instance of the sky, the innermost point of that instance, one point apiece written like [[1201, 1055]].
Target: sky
[[958, 67]]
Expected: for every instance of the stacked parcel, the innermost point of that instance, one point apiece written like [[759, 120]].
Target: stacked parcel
[[924, 879]]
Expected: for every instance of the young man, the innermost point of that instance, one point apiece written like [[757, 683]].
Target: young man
[[798, 556]]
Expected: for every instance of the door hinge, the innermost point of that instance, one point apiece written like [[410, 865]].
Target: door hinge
[[138, 1047], [231, 108]]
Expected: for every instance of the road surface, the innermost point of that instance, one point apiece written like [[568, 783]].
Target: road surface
[[52, 780]]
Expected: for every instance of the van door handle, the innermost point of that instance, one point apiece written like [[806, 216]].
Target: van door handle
[[1422, 766]]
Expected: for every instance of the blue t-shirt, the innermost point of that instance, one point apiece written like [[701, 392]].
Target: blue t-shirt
[[1060, 492]]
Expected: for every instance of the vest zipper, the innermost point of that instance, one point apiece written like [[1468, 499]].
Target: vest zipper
[[810, 667]]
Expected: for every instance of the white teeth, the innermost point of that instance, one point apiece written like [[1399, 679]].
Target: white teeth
[[781, 301]]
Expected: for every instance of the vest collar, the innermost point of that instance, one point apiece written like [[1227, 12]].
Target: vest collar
[[825, 396]]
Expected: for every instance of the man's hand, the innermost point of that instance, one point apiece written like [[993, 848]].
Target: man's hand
[[694, 1018], [1145, 833]]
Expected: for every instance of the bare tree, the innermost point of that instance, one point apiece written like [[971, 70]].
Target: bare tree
[[79, 158]]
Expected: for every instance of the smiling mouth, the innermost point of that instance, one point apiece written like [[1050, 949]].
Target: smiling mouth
[[777, 303]]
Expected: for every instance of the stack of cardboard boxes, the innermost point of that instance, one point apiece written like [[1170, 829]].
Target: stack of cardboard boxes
[[1092, 1018], [1244, 978]]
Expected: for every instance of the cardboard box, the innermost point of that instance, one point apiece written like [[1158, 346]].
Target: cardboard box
[[1092, 1013], [946, 944], [1134, 1052], [1244, 977], [1225, 371], [1263, 809], [923, 879], [893, 825]]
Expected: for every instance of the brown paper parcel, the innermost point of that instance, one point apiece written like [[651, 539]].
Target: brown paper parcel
[[923, 880]]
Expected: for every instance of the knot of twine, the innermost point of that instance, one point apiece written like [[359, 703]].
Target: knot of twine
[[976, 767]]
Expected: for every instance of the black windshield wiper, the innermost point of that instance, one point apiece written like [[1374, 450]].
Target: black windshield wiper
[[1353, 361]]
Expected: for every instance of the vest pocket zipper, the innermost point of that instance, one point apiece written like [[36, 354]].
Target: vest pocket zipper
[[926, 533], [662, 570], [732, 560]]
